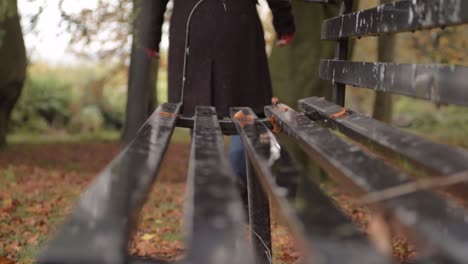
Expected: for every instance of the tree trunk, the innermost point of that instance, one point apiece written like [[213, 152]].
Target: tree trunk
[[141, 100], [383, 101], [295, 68], [3, 126], [12, 66]]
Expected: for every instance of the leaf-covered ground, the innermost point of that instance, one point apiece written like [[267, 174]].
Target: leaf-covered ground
[[39, 183]]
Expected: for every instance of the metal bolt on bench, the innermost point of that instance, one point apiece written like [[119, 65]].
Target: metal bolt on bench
[[99, 226]]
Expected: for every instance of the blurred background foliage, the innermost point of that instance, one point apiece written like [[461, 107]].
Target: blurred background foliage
[[91, 96], [74, 99]]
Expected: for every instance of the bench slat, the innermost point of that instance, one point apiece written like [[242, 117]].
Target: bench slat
[[215, 216], [258, 210], [321, 1], [259, 217], [400, 16], [437, 83], [433, 158], [227, 127], [139, 260], [435, 259], [99, 225], [422, 213], [315, 221]]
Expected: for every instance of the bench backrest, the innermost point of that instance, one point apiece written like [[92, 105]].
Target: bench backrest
[[438, 83]]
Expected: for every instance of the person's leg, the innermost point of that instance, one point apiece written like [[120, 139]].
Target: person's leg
[[237, 158], [238, 163]]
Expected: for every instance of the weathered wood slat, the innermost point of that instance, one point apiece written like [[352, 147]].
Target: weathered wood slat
[[138, 260], [259, 209], [100, 223], [437, 83], [427, 216], [259, 218], [321, 1], [342, 53], [215, 216], [435, 259], [322, 229], [430, 157], [400, 16], [227, 127]]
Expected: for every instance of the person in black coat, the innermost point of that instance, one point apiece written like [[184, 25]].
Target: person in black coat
[[227, 64]]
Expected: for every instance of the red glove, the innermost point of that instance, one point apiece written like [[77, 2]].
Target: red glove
[[151, 54], [285, 40]]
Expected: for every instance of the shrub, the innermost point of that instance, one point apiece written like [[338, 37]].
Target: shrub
[[89, 119], [47, 97]]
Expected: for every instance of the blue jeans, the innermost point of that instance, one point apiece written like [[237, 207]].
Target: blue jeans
[[237, 159]]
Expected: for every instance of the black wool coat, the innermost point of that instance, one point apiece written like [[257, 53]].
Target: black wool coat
[[227, 63]]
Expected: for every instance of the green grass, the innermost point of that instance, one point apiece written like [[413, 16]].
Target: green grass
[[27, 254], [9, 174], [171, 237], [162, 85], [181, 135], [444, 124], [47, 138]]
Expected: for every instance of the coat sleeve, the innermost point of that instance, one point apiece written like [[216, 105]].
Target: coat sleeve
[[283, 19], [151, 19]]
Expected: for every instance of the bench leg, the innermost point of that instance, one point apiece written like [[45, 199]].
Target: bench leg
[[259, 218]]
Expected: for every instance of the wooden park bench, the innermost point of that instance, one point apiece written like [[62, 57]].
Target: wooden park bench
[[99, 227]]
